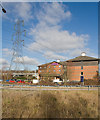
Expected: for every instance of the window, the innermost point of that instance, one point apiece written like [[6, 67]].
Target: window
[[40, 70], [54, 66], [59, 65], [59, 70], [81, 67], [81, 73], [49, 66], [49, 70], [54, 70]]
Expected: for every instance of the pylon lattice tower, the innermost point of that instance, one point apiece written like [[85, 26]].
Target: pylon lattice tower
[[17, 60]]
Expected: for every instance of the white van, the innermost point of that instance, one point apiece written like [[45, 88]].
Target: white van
[[35, 81]]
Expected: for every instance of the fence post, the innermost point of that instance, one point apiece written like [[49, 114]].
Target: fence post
[[88, 88]]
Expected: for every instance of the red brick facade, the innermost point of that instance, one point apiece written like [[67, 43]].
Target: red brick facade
[[51, 70], [75, 72], [71, 70]]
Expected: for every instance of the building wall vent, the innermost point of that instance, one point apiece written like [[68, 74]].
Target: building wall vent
[[83, 54]]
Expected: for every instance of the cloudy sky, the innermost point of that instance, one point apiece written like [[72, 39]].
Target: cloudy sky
[[53, 31]]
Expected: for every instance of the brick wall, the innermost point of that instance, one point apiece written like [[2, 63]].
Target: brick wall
[[55, 69], [51, 70], [74, 72]]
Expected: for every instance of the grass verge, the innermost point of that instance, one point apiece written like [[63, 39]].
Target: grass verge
[[50, 104]]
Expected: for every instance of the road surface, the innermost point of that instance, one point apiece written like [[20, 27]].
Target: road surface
[[50, 88]]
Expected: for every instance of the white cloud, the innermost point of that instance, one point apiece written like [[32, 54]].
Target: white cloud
[[6, 52], [52, 56], [4, 64], [77, 52], [23, 10], [60, 41], [18, 10], [49, 35], [53, 13], [3, 61], [27, 60]]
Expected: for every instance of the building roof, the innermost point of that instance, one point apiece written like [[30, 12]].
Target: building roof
[[44, 64], [61, 63], [83, 58], [76, 59]]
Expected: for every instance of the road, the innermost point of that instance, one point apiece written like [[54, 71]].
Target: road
[[31, 87], [50, 88]]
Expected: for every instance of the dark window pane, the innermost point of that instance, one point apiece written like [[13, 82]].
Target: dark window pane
[[81, 73], [81, 67]]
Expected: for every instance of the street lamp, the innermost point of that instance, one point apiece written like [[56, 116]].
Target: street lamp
[[3, 9]]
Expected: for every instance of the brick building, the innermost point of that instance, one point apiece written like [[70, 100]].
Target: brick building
[[82, 67], [52, 70], [77, 69]]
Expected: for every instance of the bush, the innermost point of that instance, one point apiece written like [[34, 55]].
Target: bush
[[43, 82], [91, 82]]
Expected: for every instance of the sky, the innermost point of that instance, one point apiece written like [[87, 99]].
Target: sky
[[54, 30]]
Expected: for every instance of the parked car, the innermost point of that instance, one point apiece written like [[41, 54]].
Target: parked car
[[20, 81], [35, 81], [12, 81], [57, 80], [7, 80]]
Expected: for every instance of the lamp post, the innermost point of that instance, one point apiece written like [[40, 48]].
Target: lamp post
[[3, 8]]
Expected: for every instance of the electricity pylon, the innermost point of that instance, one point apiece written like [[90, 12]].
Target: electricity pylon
[[17, 53]]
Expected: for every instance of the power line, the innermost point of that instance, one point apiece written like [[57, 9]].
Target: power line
[[39, 44], [31, 40]]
